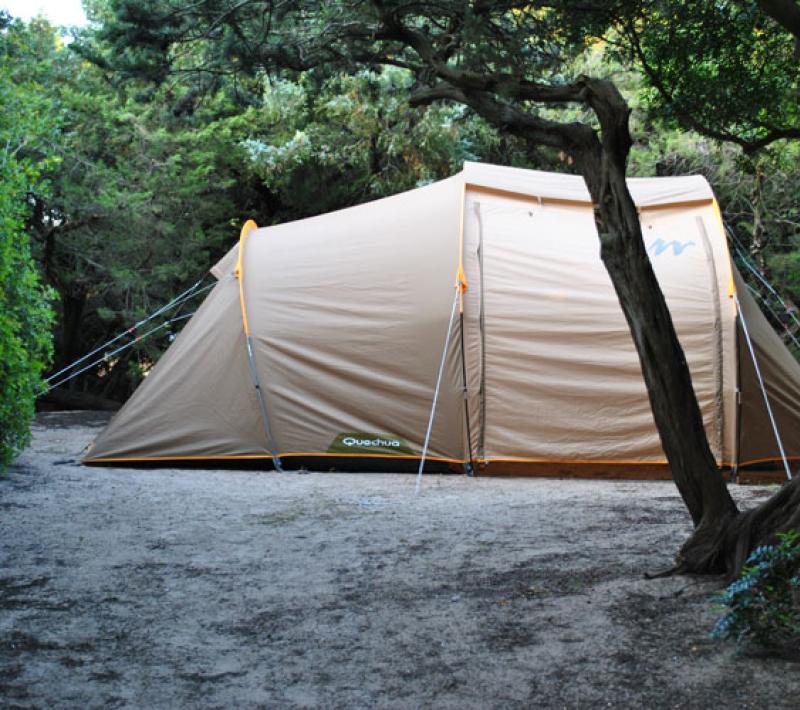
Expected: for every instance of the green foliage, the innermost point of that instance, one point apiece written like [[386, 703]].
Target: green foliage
[[27, 119], [723, 68], [763, 605], [152, 182], [355, 138], [141, 198], [151, 41]]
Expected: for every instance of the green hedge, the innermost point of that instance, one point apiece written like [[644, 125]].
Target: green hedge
[[25, 313]]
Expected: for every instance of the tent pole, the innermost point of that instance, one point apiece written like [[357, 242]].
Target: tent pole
[[763, 388], [251, 360], [436, 391], [276, 460], [470, 466], [738, 439], [461, 285]]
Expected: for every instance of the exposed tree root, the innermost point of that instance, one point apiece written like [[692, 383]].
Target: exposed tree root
[[721, 544], [671, 572]]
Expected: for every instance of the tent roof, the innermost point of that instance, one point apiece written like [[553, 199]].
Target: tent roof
[[646, 192]]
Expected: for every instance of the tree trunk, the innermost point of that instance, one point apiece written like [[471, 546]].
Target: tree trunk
[[664, 368], [723, 537], [758, 244]]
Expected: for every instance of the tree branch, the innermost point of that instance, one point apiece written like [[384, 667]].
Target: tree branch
[[506, 85], [785, 12], [569, 137]]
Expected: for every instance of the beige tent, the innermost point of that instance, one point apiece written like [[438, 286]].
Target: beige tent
[[323, 338]]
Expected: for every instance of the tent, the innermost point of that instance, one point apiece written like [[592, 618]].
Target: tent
[[328, 339]]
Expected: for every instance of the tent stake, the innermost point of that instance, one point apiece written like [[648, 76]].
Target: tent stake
[[763, 388], [436, 392]]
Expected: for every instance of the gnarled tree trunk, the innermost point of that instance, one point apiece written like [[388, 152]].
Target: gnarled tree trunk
[[723, 536]]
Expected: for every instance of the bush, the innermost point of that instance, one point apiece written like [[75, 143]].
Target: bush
[[763, 605], [25, 314], [25, 343]]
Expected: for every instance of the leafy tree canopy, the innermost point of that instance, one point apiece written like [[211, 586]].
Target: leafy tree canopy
[[729, 70]]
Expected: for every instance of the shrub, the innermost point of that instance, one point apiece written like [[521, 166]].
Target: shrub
[[25, 314], [25, 343], [763, 604]]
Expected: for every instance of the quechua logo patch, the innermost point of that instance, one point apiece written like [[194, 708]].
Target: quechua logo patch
[[365, 443]]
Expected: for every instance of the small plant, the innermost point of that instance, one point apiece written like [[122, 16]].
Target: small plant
[[763, 605]]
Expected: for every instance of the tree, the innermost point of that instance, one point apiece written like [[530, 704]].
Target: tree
[[506, 61], [736, 78], [27, 119], [319, 145], [133, 211], [146, 185]]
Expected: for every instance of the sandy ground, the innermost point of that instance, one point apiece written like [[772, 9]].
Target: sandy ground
[[206, 588]]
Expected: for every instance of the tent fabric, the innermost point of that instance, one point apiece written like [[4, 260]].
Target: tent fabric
[[562, 377], [198, 401], [781, 374], [348, 313]]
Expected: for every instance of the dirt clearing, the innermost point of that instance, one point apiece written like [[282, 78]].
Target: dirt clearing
[[204, 588]]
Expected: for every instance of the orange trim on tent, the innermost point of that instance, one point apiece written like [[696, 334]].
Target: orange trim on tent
[[461, 282], [561, 462], [767, 460], [371, 456], [248, 226], [675, 205], [461, 276], [618, 462], [209, 457], [721, 225], [599, 462], [214, 457]]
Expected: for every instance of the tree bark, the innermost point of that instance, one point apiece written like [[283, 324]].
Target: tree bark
[[758, 244]]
